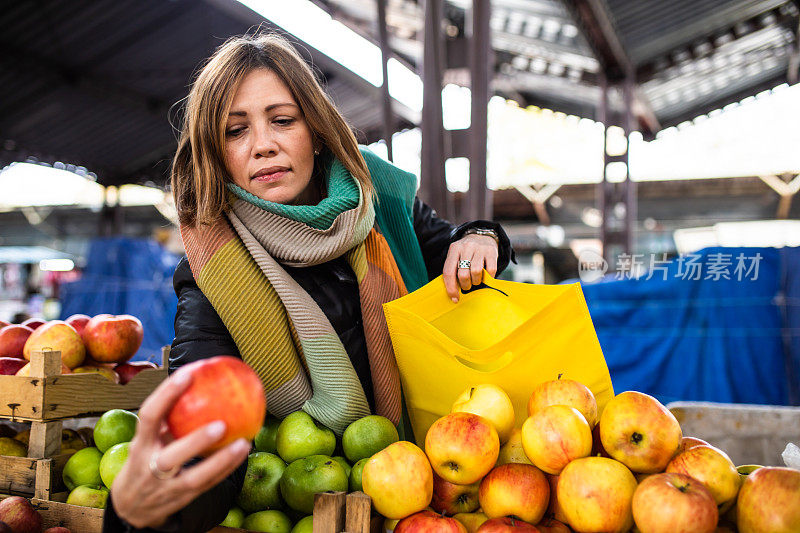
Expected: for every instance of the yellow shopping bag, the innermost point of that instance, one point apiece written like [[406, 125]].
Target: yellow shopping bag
[[514, 335]]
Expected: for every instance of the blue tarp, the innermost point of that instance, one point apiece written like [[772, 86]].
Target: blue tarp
[[128, 276], [687, 333]]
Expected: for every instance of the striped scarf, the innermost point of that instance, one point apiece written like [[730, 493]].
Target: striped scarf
[[278, 328]]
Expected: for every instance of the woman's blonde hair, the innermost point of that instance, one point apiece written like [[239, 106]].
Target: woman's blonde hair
[[199, 174]]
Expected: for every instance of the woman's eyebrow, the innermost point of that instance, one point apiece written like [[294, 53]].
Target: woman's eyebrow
[[238, 113]]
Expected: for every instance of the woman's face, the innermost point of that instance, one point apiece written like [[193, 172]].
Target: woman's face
[[269, 150]]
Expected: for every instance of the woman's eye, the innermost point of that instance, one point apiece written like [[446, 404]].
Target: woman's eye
[[234, 132], [284, 121]]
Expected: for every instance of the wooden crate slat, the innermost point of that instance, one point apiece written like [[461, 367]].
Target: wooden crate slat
[[29, 476], [73, 517], [358, 513], [329, 512], [21, 397]]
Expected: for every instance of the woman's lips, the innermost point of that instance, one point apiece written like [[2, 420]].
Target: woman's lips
[[267, 178]]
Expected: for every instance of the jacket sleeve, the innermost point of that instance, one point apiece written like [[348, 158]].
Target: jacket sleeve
[[435, 235], [199, 333]]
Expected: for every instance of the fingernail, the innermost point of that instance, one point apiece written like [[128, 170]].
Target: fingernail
[[455, 300], [215, 429], [240, 446]]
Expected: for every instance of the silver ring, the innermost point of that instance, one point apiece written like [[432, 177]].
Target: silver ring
[[464, 263], [162, 474]]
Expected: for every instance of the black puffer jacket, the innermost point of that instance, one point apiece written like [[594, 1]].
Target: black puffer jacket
[[200, 333]]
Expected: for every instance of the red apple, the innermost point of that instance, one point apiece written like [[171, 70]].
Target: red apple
[[515, 489], [11, 365], [107, 373], [222, 388], [639, 432], [126, 371], [564, 392], [769, 501], [674, 503], [462, 447], [507, 524], [112, 339], [551, 525], [595, 494], [450, 498], [12, 340], [78, 322], [60, 336], [429, 522], [3, 324], [20, 515], [554, 509], [712, 467], [34, 323]]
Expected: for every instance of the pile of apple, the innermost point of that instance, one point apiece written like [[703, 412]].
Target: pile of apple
[[294, 459], [566, 469], [15, 443], [102, 344]]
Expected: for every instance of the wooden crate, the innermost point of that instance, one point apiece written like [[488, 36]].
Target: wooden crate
[[334, 512], [49, 395], [25, 476]]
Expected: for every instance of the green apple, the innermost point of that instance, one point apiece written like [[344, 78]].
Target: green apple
[[299, 436], [88, 496], [234, 518], [268, 522], [261, 489], [112, 461], [355, 474], [307, 476], [342, 461], [367, 436], [265, 439], [304, 525], [83, 468], [114, 427]]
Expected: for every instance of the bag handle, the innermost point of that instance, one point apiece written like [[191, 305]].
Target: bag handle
[[482, 285]]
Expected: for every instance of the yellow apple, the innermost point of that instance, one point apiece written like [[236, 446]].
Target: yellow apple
[[399, 480], [564, 392], [492, 403], [712, 467], [462, 447], [595, 494], [554, 436], [512, 451], [639, 432], [60, 336], [471, 521], [515, 489], [107, 373]]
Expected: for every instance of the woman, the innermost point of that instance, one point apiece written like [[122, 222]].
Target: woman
[[295, 238]]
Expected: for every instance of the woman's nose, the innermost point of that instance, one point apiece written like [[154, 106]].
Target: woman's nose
[[264, 142]]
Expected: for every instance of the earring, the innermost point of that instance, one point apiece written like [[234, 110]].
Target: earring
[[316, 152]]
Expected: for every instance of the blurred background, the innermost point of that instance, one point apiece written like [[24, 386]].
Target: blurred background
[[648, 150]]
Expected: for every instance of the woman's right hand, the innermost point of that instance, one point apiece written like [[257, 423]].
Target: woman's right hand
[[144, 500]]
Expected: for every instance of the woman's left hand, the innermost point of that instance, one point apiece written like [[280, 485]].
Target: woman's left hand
[[481, 252]]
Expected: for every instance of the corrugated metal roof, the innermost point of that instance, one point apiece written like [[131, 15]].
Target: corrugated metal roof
[[91, 82]]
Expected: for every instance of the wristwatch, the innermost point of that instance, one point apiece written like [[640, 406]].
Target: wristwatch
[[483, 231]]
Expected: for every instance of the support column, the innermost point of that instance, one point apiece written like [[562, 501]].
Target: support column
[[433, 188], [386, 101], [617, 199], [479, 199]]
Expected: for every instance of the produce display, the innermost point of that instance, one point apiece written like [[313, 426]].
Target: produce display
[[566, 469], [102, 344]]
